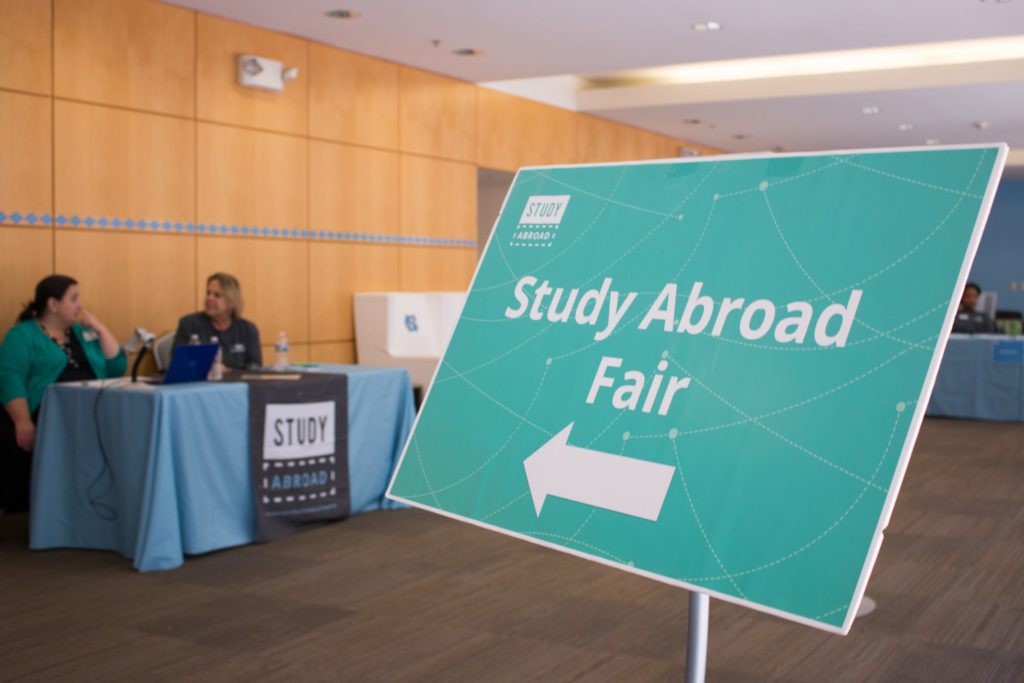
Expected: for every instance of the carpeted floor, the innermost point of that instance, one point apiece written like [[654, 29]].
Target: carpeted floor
[[410, 596]]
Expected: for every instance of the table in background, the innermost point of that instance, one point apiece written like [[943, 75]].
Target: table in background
[[177, 478], [981, 377]]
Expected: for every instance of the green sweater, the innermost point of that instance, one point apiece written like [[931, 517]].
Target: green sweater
[[30, 361]]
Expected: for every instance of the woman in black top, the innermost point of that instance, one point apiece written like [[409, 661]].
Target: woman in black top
[[221, 317]]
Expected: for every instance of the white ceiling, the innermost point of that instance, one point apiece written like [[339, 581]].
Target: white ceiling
[[532, 39]]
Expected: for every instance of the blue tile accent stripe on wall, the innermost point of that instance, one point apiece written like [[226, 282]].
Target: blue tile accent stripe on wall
[[143, 225]]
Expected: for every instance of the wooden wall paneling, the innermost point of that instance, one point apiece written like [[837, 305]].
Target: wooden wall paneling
[[436, 268], [130, 280], [251, 178], [601, 140], [515, 132], [273, 276], [594, 140], [26, 257], [666, 147], [123, 164], [221, 99], [704, 150], [127, 53], [352, 98], [436, 115], [643, 144], [333, 352], [336, 272], [352, 188], [604, 141], [297, 353], [671, 147], [597, 140], [26, 173], [25, 52], [438, 198]]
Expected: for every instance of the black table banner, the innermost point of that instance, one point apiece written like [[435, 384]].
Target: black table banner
[[298, 445]]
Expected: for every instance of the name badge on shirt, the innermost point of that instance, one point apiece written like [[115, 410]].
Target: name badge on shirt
[[238, 348], [90, 335]]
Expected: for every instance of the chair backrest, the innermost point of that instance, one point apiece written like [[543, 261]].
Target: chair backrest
[[162, 351], [987, 303]]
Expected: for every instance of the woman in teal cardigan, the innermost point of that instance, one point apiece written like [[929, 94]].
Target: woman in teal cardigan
[[55, 340]]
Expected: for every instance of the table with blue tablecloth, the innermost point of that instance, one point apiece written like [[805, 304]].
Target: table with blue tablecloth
[[981, 377], [162, 472]]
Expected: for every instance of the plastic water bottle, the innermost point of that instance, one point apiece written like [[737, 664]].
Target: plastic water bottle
[[217, 369], [281, 362]]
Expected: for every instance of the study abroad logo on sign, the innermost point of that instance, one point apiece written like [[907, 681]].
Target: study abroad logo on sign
[[298, 430], [538, 225]]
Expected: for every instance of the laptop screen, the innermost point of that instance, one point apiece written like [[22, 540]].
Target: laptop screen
[[191, 363]]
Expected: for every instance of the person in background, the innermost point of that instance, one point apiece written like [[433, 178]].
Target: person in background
[[55, 340], [221, 317], [968, 320]]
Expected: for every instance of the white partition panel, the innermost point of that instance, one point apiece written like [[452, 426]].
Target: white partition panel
[[406, 329]]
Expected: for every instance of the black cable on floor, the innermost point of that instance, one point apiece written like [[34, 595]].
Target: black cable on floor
[[102, 510]]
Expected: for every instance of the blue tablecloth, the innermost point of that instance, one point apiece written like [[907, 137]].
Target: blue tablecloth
[[167, 471], [981, 378]]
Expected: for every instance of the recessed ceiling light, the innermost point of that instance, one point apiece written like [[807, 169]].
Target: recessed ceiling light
[[981, 125], [931, 141], [741, 136], [869, 110], [904, 126], [706, 26], [467, 52], [342, 14], [692, 122]]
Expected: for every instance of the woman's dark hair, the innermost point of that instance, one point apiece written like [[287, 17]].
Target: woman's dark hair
[[51, 286]]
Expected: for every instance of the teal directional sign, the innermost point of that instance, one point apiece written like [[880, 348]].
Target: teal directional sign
[[707, 372]]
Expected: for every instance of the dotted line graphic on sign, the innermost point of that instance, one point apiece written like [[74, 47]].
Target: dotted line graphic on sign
[[536, 227], [900, 408], [514, 350]]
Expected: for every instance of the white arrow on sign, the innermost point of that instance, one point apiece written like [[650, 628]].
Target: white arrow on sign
[[613, 482]]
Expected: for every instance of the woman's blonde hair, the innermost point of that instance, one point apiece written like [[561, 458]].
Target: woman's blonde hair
[[232, 291]]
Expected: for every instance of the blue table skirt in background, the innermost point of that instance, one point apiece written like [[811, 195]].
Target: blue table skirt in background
[[176, 479], [982, 378]]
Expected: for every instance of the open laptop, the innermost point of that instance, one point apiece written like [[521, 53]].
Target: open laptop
[[191, 363]]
